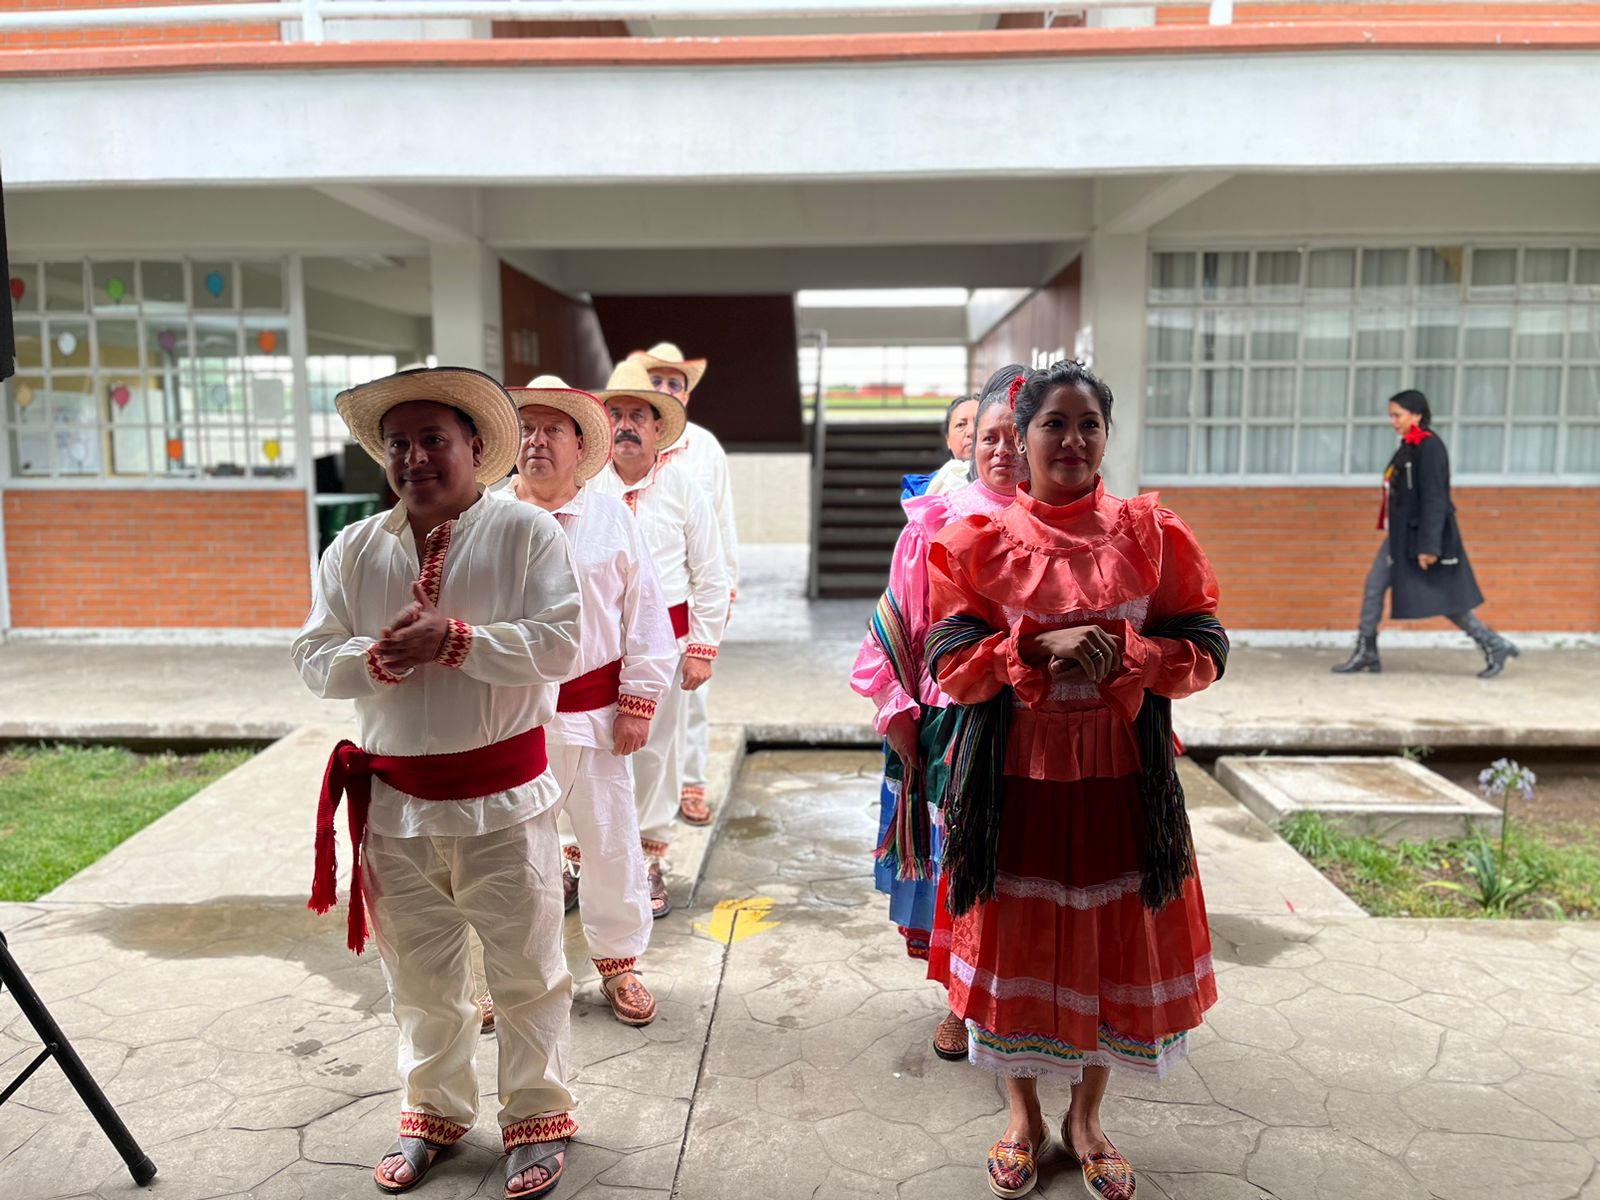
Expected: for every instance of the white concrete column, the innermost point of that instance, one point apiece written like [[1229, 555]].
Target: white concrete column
[[1114, 272], [466, 306]]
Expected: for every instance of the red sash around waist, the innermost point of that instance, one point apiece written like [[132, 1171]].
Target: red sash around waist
[[679, 615], [497, 767], [596, 689]]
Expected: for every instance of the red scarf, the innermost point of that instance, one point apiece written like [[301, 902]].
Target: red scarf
[[497, 767]]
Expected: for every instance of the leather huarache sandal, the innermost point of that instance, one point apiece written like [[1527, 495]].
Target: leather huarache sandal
[[631, 1002], [486, 1012], [1014, 1166], [416, 1152], [1105, 1176], [660, 898], [538, 1154], [950, 1039], [692, 806]]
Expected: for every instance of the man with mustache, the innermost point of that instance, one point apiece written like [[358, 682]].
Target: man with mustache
[[449, 621], [681, 531], [700, 454]]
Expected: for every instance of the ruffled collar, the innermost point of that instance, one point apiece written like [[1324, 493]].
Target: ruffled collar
[[1066, 528]]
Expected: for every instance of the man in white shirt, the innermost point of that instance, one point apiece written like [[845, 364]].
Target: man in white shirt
[[449, 621], [701, 455], [681, 532], [628, 660]]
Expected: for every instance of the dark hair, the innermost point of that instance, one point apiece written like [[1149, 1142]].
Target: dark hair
[[1040, 383], [466, 420], [996, 391], [950, 413], [1414, 401]]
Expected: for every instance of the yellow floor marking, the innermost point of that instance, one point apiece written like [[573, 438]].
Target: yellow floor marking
[[734, 920]]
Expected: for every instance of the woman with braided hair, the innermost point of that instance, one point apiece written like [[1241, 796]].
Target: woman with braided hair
[[1073, 935]]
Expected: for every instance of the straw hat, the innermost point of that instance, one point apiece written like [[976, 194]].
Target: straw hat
[[665, 354], [473, 392], [631, 378], [593, 420]]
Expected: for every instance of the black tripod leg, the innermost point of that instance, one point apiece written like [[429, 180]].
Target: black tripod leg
[[13, 980]]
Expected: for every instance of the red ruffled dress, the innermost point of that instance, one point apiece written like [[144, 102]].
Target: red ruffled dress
[[1065, 968]]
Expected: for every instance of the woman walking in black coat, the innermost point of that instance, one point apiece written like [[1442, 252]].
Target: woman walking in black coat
[[1422, 563]]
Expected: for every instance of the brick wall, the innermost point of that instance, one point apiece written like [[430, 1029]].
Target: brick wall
[[147, 559], [132, 35], [1294, 558]]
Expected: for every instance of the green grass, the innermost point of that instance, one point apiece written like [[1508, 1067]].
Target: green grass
[[63, 807], [1394, 881]]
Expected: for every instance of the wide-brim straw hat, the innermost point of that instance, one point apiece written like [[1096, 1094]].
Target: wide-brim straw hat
[[632, 379], [474, 393], [594, 423], [665, 354]]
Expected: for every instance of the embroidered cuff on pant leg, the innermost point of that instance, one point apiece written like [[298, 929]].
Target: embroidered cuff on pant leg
[[431, 1128], [534, 1130], [615, 966], [653, 849]]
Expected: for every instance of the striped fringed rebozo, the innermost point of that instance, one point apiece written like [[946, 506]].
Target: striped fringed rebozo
[[907, 846], [975, 793], [1168, 849]]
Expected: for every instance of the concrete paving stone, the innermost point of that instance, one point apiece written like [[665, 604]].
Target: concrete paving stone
[[866, 1142], [1199, 1186], [355, 1133], [675, 1022], [648, 1169], [214, 983], [745, 1049], [20, 1124], [363, 1063], [585, 1163], [812, 995], [624, 1121], [1270, 1088], [1466, 1059], [359, 986], [1250, 1025], [1477, 1108], [1587, 962], [77, 1018], [949, 1182], [842, 1182], [1379, 1121], [599, 1191], [884, 963], [48, 1089], [247, 1075], [758, 1155], [164, 1067], [1471, 1017], [291, 1108], [66, 1155], [1530, 942], [1573, 1106], [663, 1069], [1540, 977], [901, 1077], [1360, 980], [1262, 985], [1449, 973], [1545, 1010], [216, 1162], [597, 1036], [1467, 1166], [175, 1113], [1359, 1043], [186, 1022], [1182, 1085], [1571, 1055], [1181, 1137], [723, 1098], [800, 1092], [1321, 1164]]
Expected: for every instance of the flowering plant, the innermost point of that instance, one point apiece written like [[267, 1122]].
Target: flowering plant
[[1498, 780]]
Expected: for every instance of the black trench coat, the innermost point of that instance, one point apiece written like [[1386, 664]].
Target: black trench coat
[[1422, 520]]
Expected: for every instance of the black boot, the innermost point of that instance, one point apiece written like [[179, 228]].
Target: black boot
[[1496, 650], [1363, 658]]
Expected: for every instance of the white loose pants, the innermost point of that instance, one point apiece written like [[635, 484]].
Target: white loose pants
[[697, 741], [613, 895], [423, 895], [658, 767]]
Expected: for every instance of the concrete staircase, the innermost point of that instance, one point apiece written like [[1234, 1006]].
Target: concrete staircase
[[861, 516]]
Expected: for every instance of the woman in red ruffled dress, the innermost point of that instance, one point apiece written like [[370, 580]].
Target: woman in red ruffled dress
[[1065, 625]]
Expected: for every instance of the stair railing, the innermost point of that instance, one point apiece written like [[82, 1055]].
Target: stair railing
[[819, 441]]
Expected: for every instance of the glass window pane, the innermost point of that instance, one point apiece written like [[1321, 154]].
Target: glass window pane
[[1224, 275], [1438, 330], [1330, 274], [74, 417], [1271, 450], [1321, 450], [63, 286], [1171, 336], [1220, 393], [1217, 450], [1583, 449], [25, 280], [263, 286], [117, 345], [1166, 450], [1222, 336], [1533, 450], [1483, 391], [1323, 392], [1488, 333], [1583, 391], [1544, 272], [1168, 394], [30, 345], [1479, 449], [1277, 275], [1371, 448], [1172, 277], [1438, 384], [1541, 332], [1274, 335], [69, 346], [1374, 386], [1586, 334], [213, 285], [1439, 272], [1538, 392], [1327, 336], [161, 288], [1383, 274], [1272, 394], [1586, 272], [1381, 334], [1494, 270], [116, 286]]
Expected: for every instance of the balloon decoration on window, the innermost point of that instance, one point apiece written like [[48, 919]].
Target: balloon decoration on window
[[216, 284], [120, 395], [175, 449], [24, 395], [167, 340], [272, 449], [67, 343], [268, 341], [217, 395], [19, 289], [116, 289]]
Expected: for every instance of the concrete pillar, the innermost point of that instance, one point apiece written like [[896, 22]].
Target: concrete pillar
[[466, 306], [1114, 273]]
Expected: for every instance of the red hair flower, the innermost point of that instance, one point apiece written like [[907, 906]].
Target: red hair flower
[[1011, 392], [1415, 436]]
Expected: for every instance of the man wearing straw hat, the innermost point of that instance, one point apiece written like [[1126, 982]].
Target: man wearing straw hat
[[627, 661], [449, 621], [702, 456], [680, 529]]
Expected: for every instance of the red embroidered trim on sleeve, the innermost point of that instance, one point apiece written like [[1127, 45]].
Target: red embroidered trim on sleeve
[[698, 650], [380, 673], [456, 646], [635, 706], [536, 1130]]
